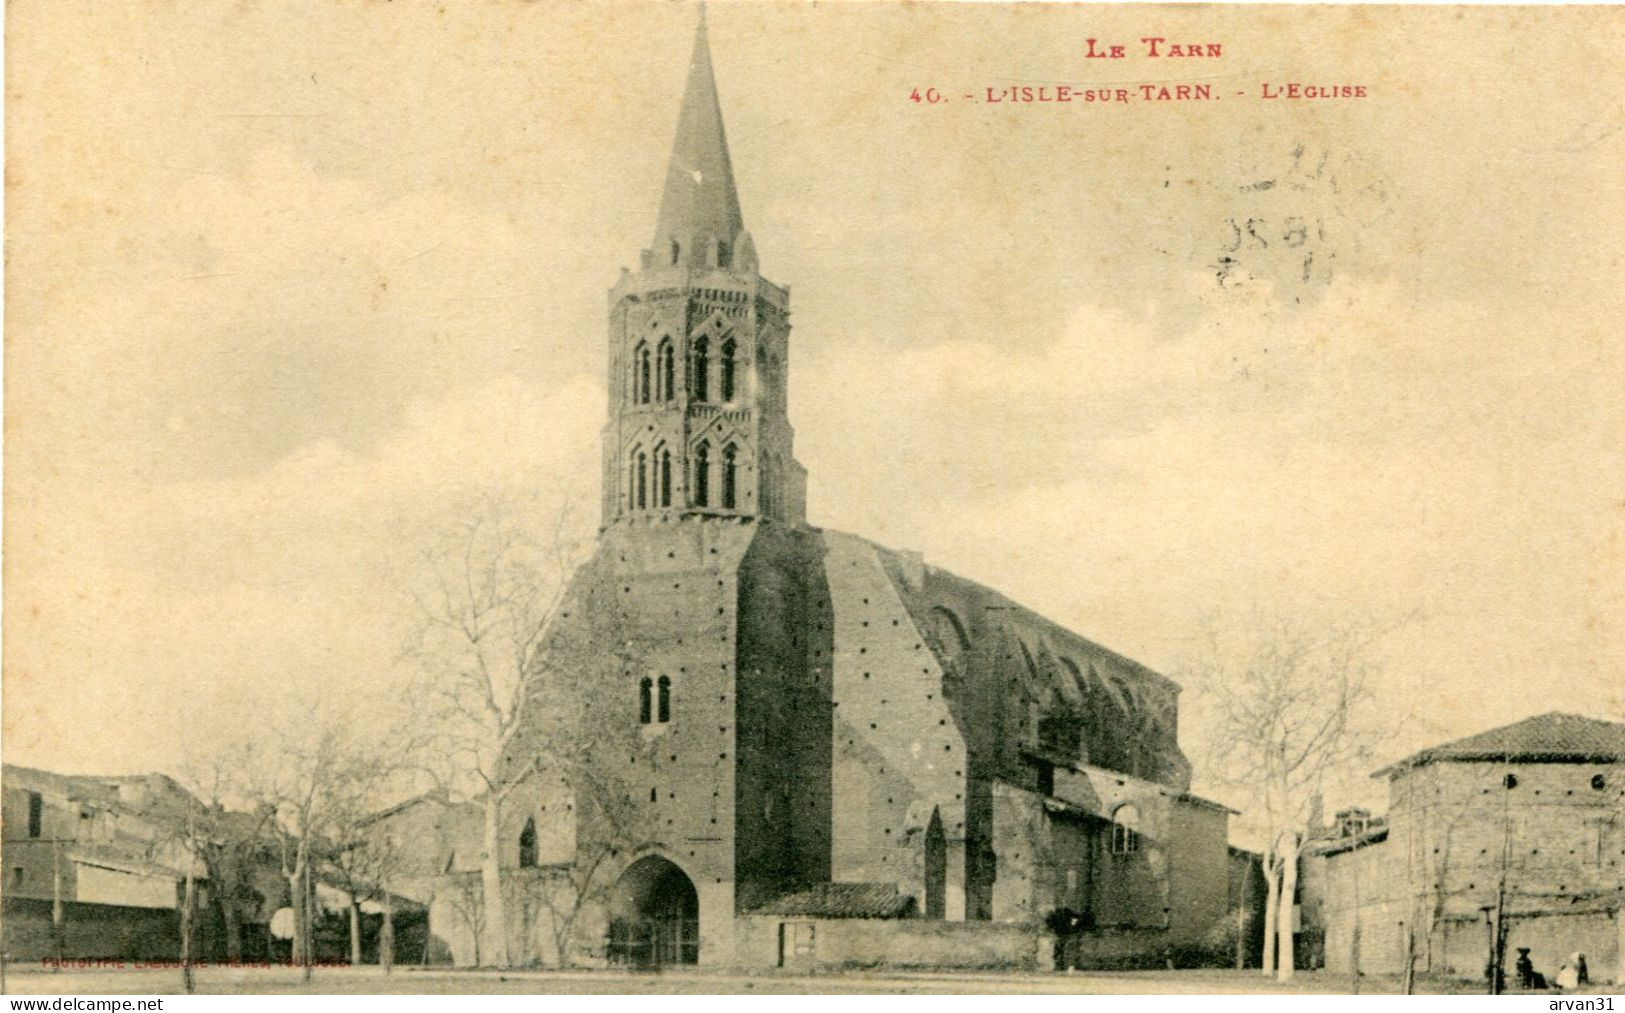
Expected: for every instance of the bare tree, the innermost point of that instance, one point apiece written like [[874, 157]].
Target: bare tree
[[225, 843], [511, 680], [312, 779], [466, 898], [362, 859], [487, 591], [1290, 707], [563, 892]]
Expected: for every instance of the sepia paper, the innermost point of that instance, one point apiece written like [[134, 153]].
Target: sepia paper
[[1155, 319]]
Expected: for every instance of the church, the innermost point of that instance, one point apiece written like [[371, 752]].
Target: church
[[755, 742]]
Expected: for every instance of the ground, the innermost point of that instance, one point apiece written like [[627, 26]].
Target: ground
[[412, 981]]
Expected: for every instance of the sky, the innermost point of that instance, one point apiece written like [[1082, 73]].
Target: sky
[[288, 282]]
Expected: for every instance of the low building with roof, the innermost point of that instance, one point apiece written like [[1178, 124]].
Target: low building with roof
[[89, 848], [1522, 824]]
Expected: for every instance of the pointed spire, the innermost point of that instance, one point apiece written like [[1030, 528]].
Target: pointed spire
[[700, 205]]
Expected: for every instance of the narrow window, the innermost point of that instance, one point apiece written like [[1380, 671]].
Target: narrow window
[[730, 485], [1046, 778], [726, 383], [700, 380], [643, 375], [665, 699], [1125, 830], [936, 868], [643, 480], [527, 845], [665, 478], [36, 813], [676, 251], [645, 706], [666, 361], [702, 475], [722, 254]]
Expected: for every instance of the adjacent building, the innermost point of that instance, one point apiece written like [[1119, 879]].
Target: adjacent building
[[82, 856], [1524, 824]]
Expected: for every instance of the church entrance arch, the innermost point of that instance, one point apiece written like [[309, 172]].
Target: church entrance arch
[[654, 914]]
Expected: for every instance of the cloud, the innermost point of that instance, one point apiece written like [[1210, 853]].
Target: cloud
[[1366, 456], [212, 603]]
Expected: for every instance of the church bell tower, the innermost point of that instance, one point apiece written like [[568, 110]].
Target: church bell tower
[[699, 349]]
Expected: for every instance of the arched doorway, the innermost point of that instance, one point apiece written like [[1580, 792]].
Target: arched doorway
[[654, 915]]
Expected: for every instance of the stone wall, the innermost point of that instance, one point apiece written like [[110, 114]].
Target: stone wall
[[1456, 831], [895, 943], [1198, 873], [89, 930]]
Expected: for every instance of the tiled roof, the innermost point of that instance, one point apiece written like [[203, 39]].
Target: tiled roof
[[1336, 845], [842, 900], [1549, 737]]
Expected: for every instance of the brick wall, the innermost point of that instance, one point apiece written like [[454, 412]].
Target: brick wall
[[783, 782], [899, 754]]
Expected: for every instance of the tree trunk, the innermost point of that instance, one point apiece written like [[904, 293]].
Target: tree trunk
[[386, 935], [231, 921], [188, 906], [296, 895], [1241, 916], [1410, 961], [1272, 893], [309, 895], [496, 915], [355, 932], [1283, 921]]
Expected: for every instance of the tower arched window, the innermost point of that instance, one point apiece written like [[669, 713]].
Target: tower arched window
[[730, 480], [645, 700], [527, 845], [643, 480], [702, 475], [725, 383], [666, 369], [665, 477], [642, 380], [663, 711], [699, 373]]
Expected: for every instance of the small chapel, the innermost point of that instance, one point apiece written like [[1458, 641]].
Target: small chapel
[[771, 744]]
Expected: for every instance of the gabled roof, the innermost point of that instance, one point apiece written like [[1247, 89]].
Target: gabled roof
[[842, 900], [1552, 738]]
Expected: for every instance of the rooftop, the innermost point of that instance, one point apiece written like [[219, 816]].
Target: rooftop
[[842, 900], [1550, 738]]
